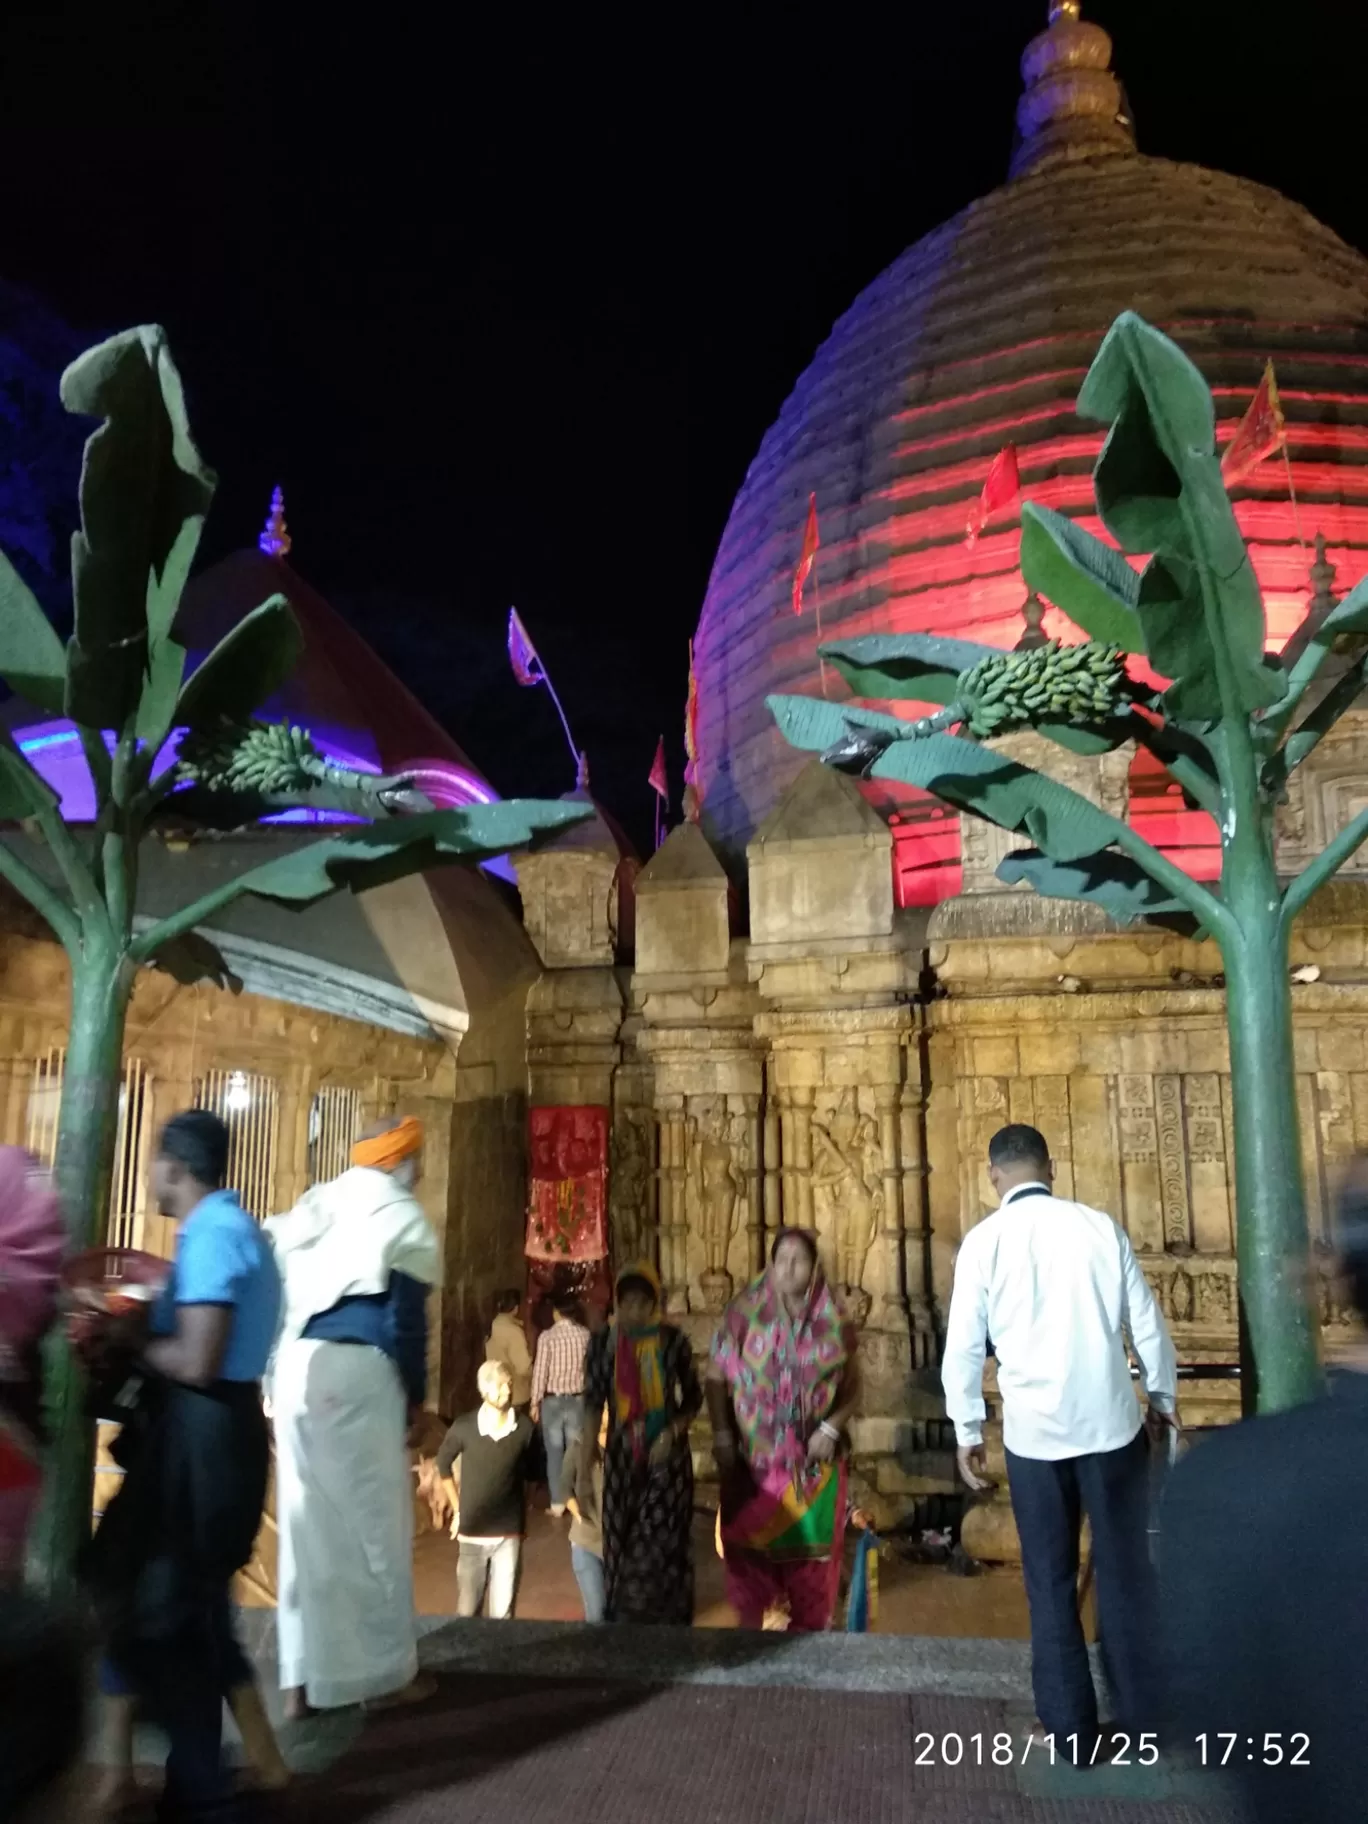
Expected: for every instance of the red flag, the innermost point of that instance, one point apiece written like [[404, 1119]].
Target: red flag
[[1000, 490], [1259, 433], [658, 779], [522, 654], [807, 556]]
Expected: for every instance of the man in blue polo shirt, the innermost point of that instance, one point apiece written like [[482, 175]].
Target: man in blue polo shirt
[[186, 1516]]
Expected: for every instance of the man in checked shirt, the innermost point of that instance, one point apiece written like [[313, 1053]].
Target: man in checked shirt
[[558, 1397]]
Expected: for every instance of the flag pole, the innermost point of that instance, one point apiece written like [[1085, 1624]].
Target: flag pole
[[569, 738], [1292, 495], [817, 605]]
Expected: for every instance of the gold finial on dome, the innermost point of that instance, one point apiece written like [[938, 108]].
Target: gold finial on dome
[[1073, 106], [275, 535]]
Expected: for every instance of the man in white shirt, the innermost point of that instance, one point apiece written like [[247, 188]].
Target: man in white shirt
[[1057, 1287]]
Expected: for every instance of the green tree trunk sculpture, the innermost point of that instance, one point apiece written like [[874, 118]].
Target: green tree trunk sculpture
[[144, 494], [1230, 726]]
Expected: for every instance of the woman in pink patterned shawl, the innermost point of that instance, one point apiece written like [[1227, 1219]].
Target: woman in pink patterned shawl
[[32, 1239], [781, 1387]]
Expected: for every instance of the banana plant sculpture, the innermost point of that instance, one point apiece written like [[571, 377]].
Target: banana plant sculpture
[[1230, 726], [144, 493]]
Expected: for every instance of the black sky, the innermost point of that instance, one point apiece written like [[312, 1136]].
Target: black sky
[[506, 303]]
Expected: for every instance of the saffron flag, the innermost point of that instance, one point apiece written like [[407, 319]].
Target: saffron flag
[[1000, 490], [522, 654], [807, 556], [658, 779], [691, 726], [1259, 433]]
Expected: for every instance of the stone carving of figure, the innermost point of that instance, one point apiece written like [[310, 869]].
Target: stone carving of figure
[[719, 1186], [847, 1181], [629, 1190]]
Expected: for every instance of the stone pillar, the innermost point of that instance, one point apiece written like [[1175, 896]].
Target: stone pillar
[[774, 1190], [916, 1234], [801, 1212], [895, 1295], [674, 1223], [297, 1090], [663, 1190], [755, 1218]]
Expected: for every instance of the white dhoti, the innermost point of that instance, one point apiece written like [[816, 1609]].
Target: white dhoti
[[344, 1508]]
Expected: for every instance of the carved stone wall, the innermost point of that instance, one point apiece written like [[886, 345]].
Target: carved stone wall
[[1324, 794]]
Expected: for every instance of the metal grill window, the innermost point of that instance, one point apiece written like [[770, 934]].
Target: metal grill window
[[250, 1107], [128, 1188], [334, 1123]]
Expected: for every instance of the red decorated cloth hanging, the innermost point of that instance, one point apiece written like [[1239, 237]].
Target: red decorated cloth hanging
[[1000, 490], [807, 556], [1258, 434], [567, 1204]]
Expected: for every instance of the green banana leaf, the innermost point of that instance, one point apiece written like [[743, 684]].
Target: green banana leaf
[[1092, 583], [143, 487], [973, 778], [23, 791], [1119, 885], [365, 856], [32, 657], [1159, 490], [1349, 616], [249, 664], [917, 667]]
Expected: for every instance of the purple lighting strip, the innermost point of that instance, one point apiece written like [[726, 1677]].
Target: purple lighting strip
[[54, 749]]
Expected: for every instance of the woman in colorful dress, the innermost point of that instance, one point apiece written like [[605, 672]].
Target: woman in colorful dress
[[643, 1371], [32, 1240], [782, 1385]]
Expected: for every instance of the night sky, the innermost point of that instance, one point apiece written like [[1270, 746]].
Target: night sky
[[506, 306]]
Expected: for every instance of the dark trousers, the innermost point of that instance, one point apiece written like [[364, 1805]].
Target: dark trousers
[[1049, 1498], [180, 1676]]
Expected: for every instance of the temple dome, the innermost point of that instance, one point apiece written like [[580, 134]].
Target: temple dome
[[979, 335]]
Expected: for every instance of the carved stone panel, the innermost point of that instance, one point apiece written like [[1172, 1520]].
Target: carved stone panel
[[848, 1189]]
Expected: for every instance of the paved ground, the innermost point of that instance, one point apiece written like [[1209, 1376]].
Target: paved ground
[[542, 1719], [487, 1750], [546, 1722]]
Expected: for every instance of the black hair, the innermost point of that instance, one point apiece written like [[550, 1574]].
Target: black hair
[[636, 1282], [808, 1239], [1018, 1144], [565, 1306], [1351, 1240], [42, 1698], [507, 1301], [198, 1140]]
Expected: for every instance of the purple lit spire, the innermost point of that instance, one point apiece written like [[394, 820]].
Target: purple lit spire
[[275, 535]]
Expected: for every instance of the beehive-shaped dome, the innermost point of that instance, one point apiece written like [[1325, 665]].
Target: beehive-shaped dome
[[980, 335]]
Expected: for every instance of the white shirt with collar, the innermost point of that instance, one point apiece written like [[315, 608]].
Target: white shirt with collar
[[1057, 1287]]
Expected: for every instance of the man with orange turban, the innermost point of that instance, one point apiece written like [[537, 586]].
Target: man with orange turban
[[358, 1260]]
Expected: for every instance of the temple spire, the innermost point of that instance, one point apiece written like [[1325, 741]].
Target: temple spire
[[275, 536], [1073, 106]]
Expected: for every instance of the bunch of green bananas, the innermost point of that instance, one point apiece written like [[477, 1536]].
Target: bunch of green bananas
[[1053, 683], [251, 757]]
